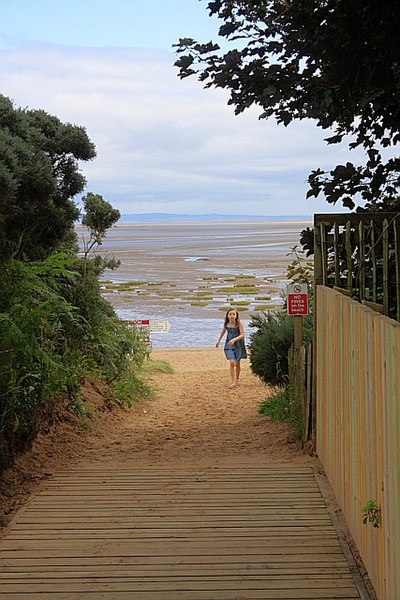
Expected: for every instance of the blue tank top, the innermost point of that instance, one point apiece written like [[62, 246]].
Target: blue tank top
[[238, 349]]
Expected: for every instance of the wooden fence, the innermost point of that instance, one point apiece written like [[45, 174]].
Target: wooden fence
[[300, 379], [360, 253], [357, 392], [354, 404]]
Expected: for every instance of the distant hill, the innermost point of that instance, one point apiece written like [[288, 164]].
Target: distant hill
[[168, 217]]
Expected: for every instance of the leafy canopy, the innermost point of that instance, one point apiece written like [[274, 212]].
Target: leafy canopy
[[334, 61], [39, 177], [99, 216]]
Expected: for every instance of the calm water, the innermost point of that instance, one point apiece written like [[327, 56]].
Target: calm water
[[186, 331], [212, 238], [186, 252]]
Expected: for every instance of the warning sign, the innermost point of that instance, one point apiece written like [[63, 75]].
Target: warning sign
[[150, 325], [140, 324], [159, 326], [297, 299]]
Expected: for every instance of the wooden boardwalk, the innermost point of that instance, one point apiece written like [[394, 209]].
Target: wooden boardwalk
[[160, 534]]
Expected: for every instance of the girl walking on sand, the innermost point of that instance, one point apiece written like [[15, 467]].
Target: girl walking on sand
[[234, 348]]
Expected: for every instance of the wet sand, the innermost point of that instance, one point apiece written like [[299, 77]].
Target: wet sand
[[197, 269]]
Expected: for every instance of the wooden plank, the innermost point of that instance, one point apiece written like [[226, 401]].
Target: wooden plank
[[153, 583], [178, 535], [349, 257], [263, 542], [374, 306], [361, 257], [374, 263], [128, 516], [306, 560], [396, 239], [324, 257], [118, 572], [336, 240], [385, 258], [346, 594]]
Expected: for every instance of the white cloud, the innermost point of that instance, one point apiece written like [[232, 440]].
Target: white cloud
[[164, 144]]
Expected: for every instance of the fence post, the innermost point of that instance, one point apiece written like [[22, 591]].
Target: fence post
[[297, 379], [298, 331], [318, 280]]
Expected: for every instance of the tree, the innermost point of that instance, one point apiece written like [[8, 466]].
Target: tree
[[333, 61], [39, 177], [99, 217]]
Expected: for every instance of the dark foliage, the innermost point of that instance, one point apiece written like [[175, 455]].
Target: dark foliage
[[39, 177], [55, 326], [336, 62], [270, 344]]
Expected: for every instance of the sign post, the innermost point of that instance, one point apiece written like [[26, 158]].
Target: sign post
[[147, 326], [297, 303]]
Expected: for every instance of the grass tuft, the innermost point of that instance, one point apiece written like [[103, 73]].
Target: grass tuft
[[283, 405]]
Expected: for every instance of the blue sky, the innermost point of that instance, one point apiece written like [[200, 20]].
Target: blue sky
[[163, 145]]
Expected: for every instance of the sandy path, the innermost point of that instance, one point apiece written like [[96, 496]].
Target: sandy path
[[196, 419], [193, 420]]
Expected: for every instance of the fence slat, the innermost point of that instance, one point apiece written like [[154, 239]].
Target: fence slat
[[361, 255], [360, 252], [358, 425], [396, 232], [349, 257], [336, 237], [385, 282], [373, 260]]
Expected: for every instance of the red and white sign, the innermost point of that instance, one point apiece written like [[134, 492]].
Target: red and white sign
[[140, 324], [150, 325], [159, 326], [297, 299]]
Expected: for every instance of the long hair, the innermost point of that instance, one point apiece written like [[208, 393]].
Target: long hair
[[237, 320]]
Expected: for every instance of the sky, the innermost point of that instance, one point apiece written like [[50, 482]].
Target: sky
[[163, 144]]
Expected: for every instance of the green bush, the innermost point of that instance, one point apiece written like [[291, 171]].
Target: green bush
[[270, 344], [283, 405], [55, 328]]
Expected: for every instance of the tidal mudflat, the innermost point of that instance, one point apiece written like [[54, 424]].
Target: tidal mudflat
[[192, 272]]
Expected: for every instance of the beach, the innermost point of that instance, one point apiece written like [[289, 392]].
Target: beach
[[187, 274], [190, 272], [192, 420]]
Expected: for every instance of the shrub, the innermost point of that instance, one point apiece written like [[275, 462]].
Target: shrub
[[283, 405], [55, 328], [270, 344]]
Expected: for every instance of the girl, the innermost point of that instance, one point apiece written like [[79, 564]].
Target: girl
[[234, 348]]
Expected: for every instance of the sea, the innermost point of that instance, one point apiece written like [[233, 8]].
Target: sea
[[185, 250]]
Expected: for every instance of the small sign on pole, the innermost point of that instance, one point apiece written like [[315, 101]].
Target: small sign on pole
[[297, 306], [142, 325], [151, 326], [297, 299], [159, 326]]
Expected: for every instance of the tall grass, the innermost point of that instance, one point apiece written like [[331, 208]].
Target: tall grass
[[284, 405], [55, 328]]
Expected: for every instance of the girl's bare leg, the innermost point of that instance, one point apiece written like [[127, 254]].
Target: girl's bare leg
[[237, 371], [232, 372]]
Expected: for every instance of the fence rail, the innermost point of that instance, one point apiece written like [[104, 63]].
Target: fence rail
[[360, 253]]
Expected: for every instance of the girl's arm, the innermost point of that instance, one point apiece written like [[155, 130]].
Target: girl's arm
[[221, 335]]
